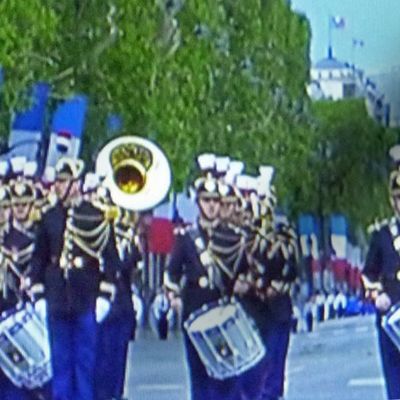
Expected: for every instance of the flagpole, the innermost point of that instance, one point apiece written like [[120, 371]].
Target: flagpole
[[330, 53], [355, 44]]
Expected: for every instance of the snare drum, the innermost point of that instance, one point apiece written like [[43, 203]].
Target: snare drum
[[225, 338], [25, 348], [391, 324]]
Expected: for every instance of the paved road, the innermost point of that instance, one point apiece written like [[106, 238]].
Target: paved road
[[336, 362]]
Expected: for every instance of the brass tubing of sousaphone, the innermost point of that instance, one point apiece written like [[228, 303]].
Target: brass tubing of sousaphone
[[130, 176], [136, 172]]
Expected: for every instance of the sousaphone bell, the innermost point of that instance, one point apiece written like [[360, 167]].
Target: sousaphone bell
[[135, 171]]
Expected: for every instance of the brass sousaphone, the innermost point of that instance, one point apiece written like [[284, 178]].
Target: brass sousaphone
[[135, 171]]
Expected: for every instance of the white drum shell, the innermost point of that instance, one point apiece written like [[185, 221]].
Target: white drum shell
[[25, 348], [226, 339], [391, 324]]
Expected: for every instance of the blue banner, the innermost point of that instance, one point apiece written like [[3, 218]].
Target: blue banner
[[338, 224], [69, 116], [306, 224], [33, 119]]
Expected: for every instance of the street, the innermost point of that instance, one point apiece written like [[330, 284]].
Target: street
[[339, 360]]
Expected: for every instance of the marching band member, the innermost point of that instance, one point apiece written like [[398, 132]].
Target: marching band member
[[8, 295], [272, 255], [381, 279], [73, 267], [200, 260], [15, 252], [116, 330], [19, 245]]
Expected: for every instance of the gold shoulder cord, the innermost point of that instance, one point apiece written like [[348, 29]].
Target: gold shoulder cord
[[91, 242], [233, 254]]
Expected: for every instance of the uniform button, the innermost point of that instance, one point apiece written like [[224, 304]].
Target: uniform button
[[203, 282], [398, 275], [78, 262]]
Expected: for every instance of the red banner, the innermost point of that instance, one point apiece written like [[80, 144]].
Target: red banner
[[161, 236]]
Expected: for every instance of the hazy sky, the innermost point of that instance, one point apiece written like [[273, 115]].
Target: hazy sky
[[376, 22]]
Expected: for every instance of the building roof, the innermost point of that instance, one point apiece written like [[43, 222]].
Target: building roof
[[330, 63]]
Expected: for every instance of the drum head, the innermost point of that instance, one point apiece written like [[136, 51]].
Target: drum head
[[213, 317]]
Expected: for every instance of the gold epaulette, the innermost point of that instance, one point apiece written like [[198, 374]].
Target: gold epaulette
[[377, 225], [111, 213], [35, 214]]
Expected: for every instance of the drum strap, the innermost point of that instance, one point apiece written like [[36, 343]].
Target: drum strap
[[207, 260], [6, 280]]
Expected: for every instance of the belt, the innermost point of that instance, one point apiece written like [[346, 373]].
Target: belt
[[79, 262], [192, 285]]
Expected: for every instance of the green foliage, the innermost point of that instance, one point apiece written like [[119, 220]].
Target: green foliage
[[350, 163], [203, 75], [225, 76], [212, 75]]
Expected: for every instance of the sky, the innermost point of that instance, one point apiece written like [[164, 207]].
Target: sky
[[375, 22]]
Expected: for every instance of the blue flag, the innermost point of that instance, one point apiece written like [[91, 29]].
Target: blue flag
[[67, 129], [338, 22], [27, 126], [69, 116]]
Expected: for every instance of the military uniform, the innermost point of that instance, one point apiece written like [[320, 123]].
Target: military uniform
[[15, 251], [272, 270], [271, 250], [382, 274], [73, 266], [118, 328], [203, 283]]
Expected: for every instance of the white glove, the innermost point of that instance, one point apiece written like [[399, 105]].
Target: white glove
[[103, 307], [40, 307], [383, 302]]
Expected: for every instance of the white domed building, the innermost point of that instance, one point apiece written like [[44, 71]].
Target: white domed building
[[332, 79]]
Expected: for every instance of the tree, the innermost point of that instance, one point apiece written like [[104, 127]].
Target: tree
[[219, 75], [350, 164]]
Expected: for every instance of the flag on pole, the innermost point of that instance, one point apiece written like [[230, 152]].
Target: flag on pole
[[358, 42], [338, 22], [67, 129], [339, 244]]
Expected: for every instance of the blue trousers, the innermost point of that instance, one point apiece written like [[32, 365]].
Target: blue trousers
[[202, 386], [276, 340], [73, 347], [112, 350], [390, 356], [8, 391]]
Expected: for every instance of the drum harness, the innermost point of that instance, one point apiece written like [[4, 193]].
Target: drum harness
[[216, 259], [9, 259]]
